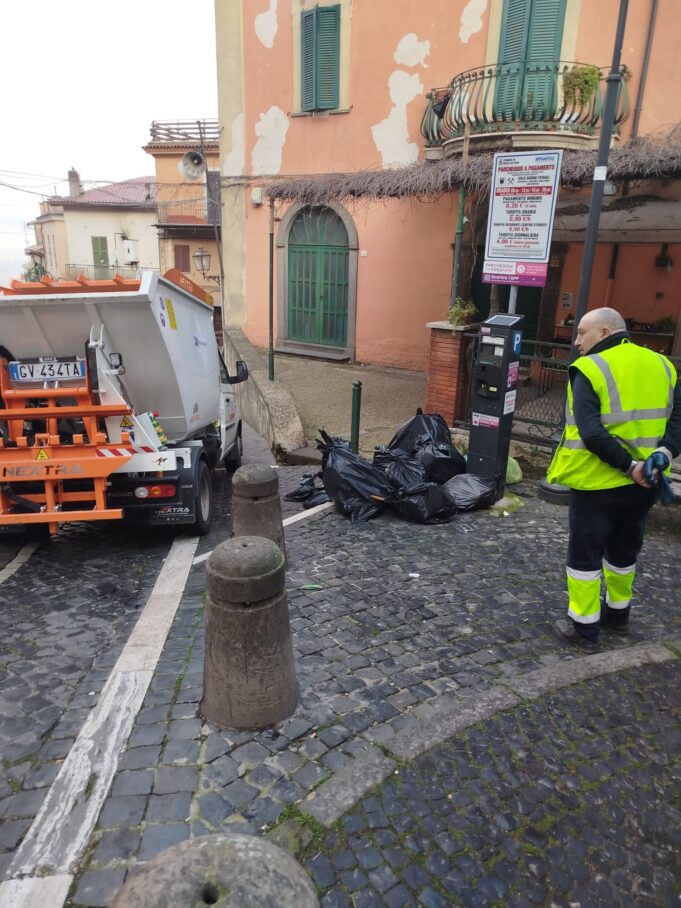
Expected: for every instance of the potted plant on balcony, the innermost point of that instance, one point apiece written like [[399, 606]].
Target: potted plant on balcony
[[462, 312], [579, 84]]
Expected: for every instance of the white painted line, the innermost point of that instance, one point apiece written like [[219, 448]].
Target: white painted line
[[287, 522], [18, 561], [309, 513], [61, 830], [38, 892]]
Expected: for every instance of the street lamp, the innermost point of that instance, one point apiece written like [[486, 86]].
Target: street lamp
[[202, 259]]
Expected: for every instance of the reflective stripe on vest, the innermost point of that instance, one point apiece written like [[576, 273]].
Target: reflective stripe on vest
[[636, 399]]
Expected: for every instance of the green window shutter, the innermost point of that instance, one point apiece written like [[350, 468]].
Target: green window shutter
[[308, 53], [328, 57], [545, 34], [100, 252], [514, 31]]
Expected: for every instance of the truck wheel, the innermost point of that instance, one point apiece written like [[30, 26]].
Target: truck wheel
[[203, 503], [233, 459]]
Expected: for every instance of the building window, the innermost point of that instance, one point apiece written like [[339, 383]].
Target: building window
[[100, 257], [320, 58], [182, 258]]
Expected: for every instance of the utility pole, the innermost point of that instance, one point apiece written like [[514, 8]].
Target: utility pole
[[613, 81], [461, 220]]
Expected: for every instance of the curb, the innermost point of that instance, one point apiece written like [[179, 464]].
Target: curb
[[406, 737]]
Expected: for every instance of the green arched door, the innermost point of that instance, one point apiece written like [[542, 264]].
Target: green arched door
[[317, 298]]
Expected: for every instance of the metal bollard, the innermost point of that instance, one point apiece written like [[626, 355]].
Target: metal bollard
[[228, 871], [355, 415], [249, 678], [256, 507]]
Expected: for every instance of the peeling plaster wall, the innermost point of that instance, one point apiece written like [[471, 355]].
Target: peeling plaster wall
[[271, 129], [471, 19], [266, 25], [234, 163], [412, 52], [392, 134]]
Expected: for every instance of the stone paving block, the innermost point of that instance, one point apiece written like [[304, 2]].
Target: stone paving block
[[98, 887], [140, 757], [133, 782], [169, 807], [181, 751], [158, 837], [117, 846], [250, 755], [122, 812], [170, 779]]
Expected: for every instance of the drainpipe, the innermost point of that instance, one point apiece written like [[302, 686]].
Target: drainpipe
[[638, 107]]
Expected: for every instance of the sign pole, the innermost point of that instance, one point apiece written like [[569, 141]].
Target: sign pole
[[512, 299], [601, 170]]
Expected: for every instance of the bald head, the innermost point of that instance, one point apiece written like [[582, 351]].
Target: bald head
[[595, 326]]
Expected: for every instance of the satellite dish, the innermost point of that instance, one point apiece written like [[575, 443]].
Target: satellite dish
[[192, 165]]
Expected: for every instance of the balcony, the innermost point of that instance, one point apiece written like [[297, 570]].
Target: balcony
[[98, 272], [517, 105], [189, 212]]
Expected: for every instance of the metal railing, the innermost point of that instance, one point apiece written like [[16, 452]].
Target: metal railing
[[512, 98], [181, 132], [98, 272], [189, 211]]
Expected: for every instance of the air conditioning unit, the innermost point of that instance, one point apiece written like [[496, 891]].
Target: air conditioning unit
[[131, 252]]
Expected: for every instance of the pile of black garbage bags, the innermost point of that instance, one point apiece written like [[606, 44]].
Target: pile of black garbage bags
[[419, 475]]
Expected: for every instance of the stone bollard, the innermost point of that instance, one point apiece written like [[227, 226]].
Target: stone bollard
[[249, 678], [256, 508], [228, 871]]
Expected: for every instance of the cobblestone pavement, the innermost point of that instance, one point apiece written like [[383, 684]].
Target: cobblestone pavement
[[572, 800], [387, 617], [64, 617]]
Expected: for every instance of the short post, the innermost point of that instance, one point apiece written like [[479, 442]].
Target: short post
[[356, 411], [256, 506], [230, 871], [249, 678]]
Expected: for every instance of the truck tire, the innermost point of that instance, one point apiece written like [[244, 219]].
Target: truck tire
[[204, 500], [233, 460]]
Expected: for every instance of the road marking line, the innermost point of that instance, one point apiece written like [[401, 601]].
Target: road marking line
[[38, 892], [317, 509], [61, 830], [18, 561]]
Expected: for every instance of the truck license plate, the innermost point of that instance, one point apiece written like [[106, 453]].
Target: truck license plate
[[47, 370]]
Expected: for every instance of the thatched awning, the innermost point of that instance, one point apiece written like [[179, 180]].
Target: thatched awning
[[640, 159]]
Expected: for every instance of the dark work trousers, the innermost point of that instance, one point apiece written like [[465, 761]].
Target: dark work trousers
[[609, 524]]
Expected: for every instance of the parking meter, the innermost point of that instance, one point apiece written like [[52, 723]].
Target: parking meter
[[495, 378]]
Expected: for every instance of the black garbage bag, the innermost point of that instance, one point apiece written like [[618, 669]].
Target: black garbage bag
[[422, 424], [424, 503], [469, 492], [440, 461], [401, 469], [308, 493], [357, 488], [324, 445]]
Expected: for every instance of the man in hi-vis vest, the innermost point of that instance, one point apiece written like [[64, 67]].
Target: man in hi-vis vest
[[623, 423]]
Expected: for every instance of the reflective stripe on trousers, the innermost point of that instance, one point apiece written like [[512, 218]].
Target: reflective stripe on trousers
[[584, 591]]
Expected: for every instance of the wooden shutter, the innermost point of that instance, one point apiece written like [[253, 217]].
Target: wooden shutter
[[328, 57], [544, 39], [512, 47], [182, 258], [308, 54]]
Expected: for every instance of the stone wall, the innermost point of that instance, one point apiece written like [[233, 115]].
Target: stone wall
[[267, 406]]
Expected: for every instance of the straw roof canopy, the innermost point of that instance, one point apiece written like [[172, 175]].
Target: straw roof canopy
[[639, 159]]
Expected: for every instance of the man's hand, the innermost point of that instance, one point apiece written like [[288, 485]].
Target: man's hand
[[638, 475], [654, 466]]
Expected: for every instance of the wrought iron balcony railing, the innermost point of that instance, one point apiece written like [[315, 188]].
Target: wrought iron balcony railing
[[518, 97], [190, 212]]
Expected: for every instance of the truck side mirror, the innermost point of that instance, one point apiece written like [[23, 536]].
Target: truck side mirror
[[241, 373]]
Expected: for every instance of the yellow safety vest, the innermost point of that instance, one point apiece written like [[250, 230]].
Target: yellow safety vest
[[635, 387]]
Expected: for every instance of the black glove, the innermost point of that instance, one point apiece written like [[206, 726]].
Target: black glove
[[653, 473]]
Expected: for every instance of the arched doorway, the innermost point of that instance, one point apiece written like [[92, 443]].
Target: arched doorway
[[317, 281], [317, 297]]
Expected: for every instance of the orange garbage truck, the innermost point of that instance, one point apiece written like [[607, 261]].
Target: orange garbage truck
[[115, 402]]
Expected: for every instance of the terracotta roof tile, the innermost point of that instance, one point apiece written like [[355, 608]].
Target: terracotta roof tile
[[139, 192]]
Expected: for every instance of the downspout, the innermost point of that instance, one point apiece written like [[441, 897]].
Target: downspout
[[634, 133]]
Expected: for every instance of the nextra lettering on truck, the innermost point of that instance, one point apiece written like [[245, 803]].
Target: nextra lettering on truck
[[116, 402]]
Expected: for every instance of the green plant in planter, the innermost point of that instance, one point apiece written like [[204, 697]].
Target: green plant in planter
[[579, 84], [462, 312]]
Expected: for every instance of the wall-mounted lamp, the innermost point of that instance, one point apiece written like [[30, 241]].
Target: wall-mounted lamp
[[202, 259], [664, 259]]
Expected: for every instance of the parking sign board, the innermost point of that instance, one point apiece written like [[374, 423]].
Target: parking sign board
[[521, 210]]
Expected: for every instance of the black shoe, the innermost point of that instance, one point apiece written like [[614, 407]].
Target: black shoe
[[565, 630], [608, 623]]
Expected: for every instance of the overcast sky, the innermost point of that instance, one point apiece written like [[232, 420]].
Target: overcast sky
[[81, 82]]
